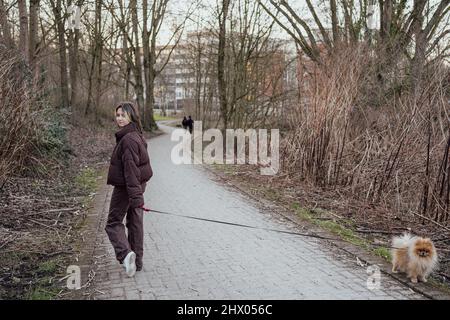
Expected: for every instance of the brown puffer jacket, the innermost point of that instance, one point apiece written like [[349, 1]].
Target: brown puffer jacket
[[130, 164]]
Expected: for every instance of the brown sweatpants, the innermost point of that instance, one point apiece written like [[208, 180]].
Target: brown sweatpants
[[118, 208]]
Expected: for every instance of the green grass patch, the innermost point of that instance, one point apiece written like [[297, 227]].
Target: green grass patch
[[334, 227], [345, 233], [48, 267], [87, 180], [42, 293], [32, 278], [45, 287], [342, 231], [159, 117], [383, 252]]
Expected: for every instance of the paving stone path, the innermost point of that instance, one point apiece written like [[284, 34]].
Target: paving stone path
[[192, 259]]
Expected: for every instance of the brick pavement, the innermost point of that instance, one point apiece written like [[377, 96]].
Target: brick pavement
[[191, 259]]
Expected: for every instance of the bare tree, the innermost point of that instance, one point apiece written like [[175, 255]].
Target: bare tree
[[222, 83], [295, 24], [140, 58], [57, 9], [137, 70], [152, 53], [423, 35], [34, 7], [98, 54], [399, 28], [23, 33], [74, 40], [5, 27]]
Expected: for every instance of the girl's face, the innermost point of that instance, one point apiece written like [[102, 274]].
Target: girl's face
[[122, 118]]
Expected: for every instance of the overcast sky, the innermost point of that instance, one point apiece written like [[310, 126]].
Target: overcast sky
[[204, 13]]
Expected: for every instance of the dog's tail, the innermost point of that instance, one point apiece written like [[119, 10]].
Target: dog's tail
[[402, 242]]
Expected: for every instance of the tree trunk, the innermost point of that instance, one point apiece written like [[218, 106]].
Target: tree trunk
[[221, 81], [99, 56], [34, 8], [419, 53], [23, 33], [57, 10], [198, 76], [90, 84], [138, 86], [334, 21], [4, 24], [74, 38], [349, 33], [146, 58], [386, 18], [149, 49], [126, 55], [149, 120], [128, 64]]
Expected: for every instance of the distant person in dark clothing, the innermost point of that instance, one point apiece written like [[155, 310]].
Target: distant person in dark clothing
[[190, 124], [184, 123]]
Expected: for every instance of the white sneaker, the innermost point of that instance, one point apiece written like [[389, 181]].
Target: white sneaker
[[129, 264]]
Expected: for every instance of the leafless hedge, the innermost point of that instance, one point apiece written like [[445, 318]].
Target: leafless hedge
[[394, 153], [16, 122]]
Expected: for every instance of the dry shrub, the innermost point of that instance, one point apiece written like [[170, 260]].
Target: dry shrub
[[321, 122], [394, 152], [16, 122], [32, 133]]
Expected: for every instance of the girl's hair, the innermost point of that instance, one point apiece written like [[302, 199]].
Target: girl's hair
[[129, 109]]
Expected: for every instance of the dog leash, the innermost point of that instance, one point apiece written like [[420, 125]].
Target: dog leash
[[241, 225], [310, 235]]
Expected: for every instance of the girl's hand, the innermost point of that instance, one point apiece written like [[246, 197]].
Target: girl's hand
[[144, 208]]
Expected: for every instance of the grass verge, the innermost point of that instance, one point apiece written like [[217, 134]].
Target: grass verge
[[46, 286], [339, 229]]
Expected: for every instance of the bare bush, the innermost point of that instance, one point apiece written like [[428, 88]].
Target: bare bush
[[16, 121], [393, 153]]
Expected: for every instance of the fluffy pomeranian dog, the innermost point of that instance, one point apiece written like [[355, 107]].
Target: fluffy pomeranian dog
[[416, 256]]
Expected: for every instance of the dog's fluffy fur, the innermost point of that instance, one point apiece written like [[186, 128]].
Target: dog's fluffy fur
[[416, 256]]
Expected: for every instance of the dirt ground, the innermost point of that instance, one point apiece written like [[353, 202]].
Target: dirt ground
[[41, 217]]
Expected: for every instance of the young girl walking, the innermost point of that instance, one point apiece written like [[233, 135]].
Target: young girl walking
[[129, 171]]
